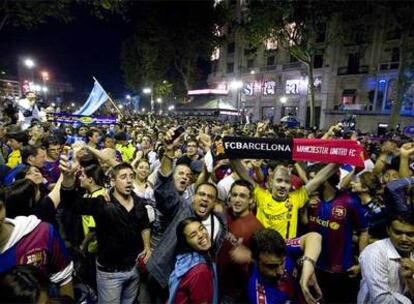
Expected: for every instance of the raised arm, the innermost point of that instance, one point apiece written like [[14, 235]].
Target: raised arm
[[54, 195], [167, 163], [301, 172], [331, 132], [406, 151], [394, 193], [106, 155], [324, 174], [241, 171]]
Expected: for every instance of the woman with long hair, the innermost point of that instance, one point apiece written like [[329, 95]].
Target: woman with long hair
[[142, 170], [194, 278], [27, 196], [367, 186]]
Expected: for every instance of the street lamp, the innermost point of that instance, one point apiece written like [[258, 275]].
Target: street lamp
[[236, 85], [45, 76], [128, 96], [147, 91], [29, 63], [283, 99], [159, 100]]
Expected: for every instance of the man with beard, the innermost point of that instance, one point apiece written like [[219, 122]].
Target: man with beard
[[175, 207], [274, 278], [122, 230], [387, 265], [336, 216]]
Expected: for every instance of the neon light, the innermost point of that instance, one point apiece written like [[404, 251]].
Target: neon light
[[208, 91]]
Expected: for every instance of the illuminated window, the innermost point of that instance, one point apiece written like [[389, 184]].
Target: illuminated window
[[348, 97], [269, 87], [271, 44], [292, 86], [216, 54]]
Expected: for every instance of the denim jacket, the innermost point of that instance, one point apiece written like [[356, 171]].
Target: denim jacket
[[169, 202], [395, 195]]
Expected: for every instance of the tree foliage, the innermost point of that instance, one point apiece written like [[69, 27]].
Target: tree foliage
[[295, 26], [401, 14], [170, 41], [28, 13]]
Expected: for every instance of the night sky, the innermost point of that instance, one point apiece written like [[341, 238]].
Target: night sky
[[72, 52]]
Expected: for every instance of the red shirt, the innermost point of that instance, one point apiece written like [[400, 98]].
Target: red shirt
[[196, 286], [233, 278]]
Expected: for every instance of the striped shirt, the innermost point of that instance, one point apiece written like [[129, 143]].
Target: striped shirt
[[380, 268]]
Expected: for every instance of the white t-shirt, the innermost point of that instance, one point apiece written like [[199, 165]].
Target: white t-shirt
[[224, 186], [207, 224]]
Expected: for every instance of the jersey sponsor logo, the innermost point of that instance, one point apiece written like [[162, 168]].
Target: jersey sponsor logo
[[36, 257], [276, 217], [325, 223], [339, 212], [293, 242]]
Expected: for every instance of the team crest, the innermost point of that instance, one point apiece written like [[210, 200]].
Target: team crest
[[339, 212]]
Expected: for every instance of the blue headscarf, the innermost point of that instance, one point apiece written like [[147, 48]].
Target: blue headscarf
[[183, 264]]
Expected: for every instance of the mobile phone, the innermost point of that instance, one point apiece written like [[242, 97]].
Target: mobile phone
[[177, 133], [68, 152]]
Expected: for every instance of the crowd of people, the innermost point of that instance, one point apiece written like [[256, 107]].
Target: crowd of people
[[145, 211]]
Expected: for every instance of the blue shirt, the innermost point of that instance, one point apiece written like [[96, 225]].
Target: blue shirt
[[336, 220], [263, 290]]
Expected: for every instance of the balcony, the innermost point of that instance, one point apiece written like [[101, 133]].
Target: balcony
[[363, 69], [268, 68], [386, 66], [292, 66]]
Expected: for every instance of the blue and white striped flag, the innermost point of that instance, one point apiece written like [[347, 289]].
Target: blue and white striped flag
[[97, 98]]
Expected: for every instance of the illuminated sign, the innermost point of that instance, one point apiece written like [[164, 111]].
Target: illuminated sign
[[269, 87], [248, 88], [208, 91]]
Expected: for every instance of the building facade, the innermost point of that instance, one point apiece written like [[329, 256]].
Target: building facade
[[10, 88], [356, 77]]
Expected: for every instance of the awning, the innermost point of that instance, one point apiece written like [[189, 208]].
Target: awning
[[349, 92]]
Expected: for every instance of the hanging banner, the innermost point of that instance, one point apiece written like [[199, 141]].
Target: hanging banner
[[342, 151], [80, 119]]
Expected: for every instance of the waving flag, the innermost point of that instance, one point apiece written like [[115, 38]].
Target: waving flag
[[97, 98]]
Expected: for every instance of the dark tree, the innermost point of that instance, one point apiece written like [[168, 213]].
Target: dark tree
[[171, 40], [30, 13]]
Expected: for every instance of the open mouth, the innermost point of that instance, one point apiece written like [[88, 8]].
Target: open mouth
[[202, 209], [405, 246], [203, 242], [237, 206]]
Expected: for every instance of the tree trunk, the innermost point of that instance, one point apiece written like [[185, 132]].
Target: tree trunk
[[3, 21], [311, 87], [183, 74], [395, 116]]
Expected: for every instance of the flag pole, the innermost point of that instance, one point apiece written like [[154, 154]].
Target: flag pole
[[110, 99]]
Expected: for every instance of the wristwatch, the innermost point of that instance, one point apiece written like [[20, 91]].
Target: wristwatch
[[306, 258]]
